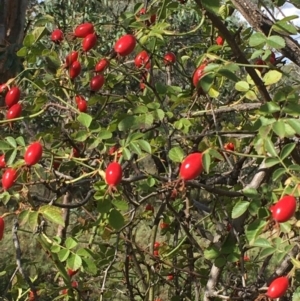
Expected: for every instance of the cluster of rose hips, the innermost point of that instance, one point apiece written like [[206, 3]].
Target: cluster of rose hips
[[11, 98]]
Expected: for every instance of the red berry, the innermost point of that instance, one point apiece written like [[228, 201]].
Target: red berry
[[115, 149], [125, 45], [260, 62], [3, 88], [56, 164], [71, 272], [169, 58], [89, 42], [33, 153], [229, 146], [278, 287], [164, 225], [191, 167], [272, 59], [156, 245], [170, 277], [75, 153], [12, 96], [219, 41], [142, 60], [2, 225], [82, 106], [198, 74], [102, 65], [97, 82], [149, 207], [14, 111], [284, 209], [8, 178], [71, 58], [2, 161], [57, 36], [156, 253], [82, 30], [31, 296], [113, 174], [75, 69]]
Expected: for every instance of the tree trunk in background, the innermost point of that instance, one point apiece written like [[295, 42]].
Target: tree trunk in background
[[12, 21]]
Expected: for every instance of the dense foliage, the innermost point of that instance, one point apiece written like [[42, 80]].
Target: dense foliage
[[150, 151]]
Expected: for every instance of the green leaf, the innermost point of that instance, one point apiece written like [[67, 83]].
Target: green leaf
[[296, 294], [89, 266], [251, 95], [103, 204], [135, 148], [71, 243], [211, 252], [52, 213], [160, 88], [20, 141], [74, 262], [85, 119], [254, 229], [33, 219], [276, 42], [250, 192], [278, 173], [266, 252], [272, 77], [270, 107], [4, 146], [127, 123], [63, 254], [270, 147], [22, 52], [279, 128], [239, 209], [120, 204], [228, 74], [10, 156], [242, 86], [262, 243], [257, 39], [116, 219], [271, 162], [295, 124], [284, 27], [286, 150], [145, 146], [28, 40], [104, 134], [206, 160], [176, 154]]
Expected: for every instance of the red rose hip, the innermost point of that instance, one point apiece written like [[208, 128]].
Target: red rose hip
[[97, 82], [14, 111], [284, 209], [74, 69], [57, 36], [113, 174], [89, 42], [125, 45], [33, 153], [102, 65], [82, 30], [71, 58], [12, 96], [191, 167], [142, 60], [169, 58], [8, 178], [278, 287]]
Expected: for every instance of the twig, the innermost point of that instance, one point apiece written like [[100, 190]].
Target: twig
[[18, 258]]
